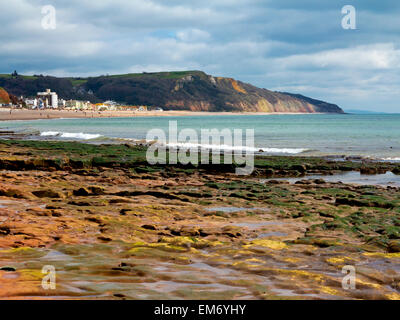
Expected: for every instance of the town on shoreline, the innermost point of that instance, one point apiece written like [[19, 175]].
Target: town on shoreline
[[49, 100], [47, 105]]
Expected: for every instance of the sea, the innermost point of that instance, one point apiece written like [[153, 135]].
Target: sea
[[375, 136]]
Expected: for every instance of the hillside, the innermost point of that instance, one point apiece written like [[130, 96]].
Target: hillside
[[185, 90]]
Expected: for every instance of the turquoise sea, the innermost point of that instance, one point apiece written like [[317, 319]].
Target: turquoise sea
[[375, 136]]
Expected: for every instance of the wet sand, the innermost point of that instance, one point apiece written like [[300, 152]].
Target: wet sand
[[24, 114]]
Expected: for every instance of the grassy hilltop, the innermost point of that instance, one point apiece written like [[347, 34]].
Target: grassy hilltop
[[179, 90]]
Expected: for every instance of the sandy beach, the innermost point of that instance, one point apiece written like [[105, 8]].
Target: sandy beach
[[25, 114]]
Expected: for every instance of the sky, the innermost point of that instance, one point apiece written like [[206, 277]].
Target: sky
[[298, 46]]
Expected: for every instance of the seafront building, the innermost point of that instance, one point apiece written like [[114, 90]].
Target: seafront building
[[78, 105], [48, 99], [31, 103]]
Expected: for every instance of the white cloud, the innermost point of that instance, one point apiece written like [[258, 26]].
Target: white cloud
[[273, 44], [193, 35], [375, 56]]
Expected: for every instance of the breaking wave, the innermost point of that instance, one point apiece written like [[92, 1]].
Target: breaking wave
[[391, 159], [223, 147], [70, 135], [186, 145]]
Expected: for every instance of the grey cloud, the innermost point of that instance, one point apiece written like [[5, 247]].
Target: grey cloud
[[287, 45]]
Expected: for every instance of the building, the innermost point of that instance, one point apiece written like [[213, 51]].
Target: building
[[49, 99], [78, 105], [32, 103], [106, 107], [62, 103], [110, 103]]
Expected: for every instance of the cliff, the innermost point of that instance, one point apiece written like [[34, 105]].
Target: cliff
[[186, 90]]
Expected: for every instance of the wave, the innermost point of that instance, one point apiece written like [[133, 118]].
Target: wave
[[197, 146], [70, 135], [285, 150], [391, 159], [223, 147]]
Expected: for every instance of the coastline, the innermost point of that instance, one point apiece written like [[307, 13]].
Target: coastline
[[103, 207], [24, 114]]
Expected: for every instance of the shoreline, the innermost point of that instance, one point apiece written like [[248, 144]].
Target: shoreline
[[25, 115], [104, 210]]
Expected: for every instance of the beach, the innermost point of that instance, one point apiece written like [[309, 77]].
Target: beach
[[26, 114], [80, 195], [115, 227]]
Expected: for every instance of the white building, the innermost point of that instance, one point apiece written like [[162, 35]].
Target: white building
[[33, 103], [50, 99], [62, 103], [110, 103]]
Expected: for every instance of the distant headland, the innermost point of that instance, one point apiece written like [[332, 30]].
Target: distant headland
[[180, 90]]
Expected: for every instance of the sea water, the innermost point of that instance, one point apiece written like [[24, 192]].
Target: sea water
[[376, 136]]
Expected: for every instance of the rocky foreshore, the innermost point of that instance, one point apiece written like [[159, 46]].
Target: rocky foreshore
[[115, 227]]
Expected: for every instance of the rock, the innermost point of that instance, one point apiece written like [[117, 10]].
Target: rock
[[368, 170], [8, 269], [149, 227], [364, 203], [269, 172], [81, 192], [56, 213], [91, 190], [232, 231], [93, 219], [299, 167], [274, 181], [319, 181], [39, 212], [120, 200], [4, 230], [322, 243], [394, 246], [303, 182], [123, 212], [96, 190], [104, 239], [396, 171], [51, 207], [189, 231], [15, 193], [48, 194], [80, 203]]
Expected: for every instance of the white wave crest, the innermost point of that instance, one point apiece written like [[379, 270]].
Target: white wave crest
[[391, 159], [284, 150], [49, 133], [70, 135], [236, 148]]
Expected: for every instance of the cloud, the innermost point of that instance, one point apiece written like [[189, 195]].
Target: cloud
[[193, 35], [375, 56], [286, 45]]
